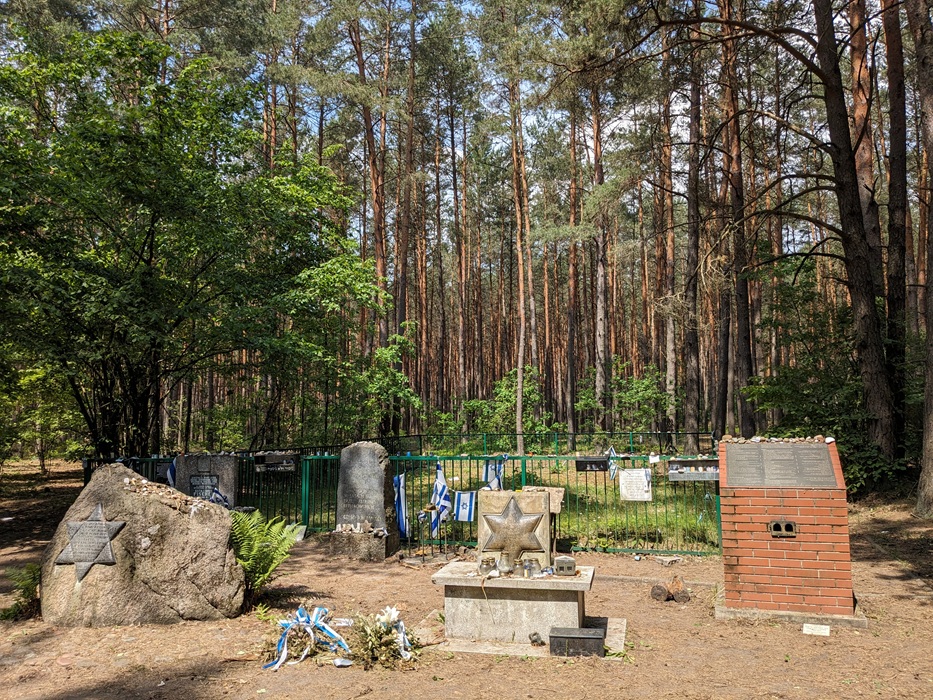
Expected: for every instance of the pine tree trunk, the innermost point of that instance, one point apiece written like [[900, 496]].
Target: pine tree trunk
[[735, 174], [897, 214], [691, 336], [862, 135], [876, 384], [921, 27]]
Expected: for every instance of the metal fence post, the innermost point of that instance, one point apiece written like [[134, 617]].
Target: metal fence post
[[305, 490]]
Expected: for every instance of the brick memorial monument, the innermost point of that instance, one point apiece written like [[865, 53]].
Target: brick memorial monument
[[785, 532]]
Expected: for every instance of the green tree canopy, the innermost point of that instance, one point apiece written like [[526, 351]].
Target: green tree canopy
[[140, 236]]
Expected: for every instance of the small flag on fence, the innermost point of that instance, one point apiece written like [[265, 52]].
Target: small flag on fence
[[218, 498], [440, 499], [170, 475], [465, 505], [613, 467], [492, 474], [401, 505]]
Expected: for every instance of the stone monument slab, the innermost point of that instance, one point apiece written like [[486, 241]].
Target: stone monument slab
[[780, 465], [515, 523], [164, 557], [365, 495], [198, 475], [508, 609]]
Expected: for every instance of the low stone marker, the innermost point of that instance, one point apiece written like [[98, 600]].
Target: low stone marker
[[132, 552], [199, 474], [367, 528]]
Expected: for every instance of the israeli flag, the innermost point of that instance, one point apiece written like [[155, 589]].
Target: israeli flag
[[492, 474], [491, 470], [170, 475], [465, 506], [613, 467], [401, 505], [218, 498], [440, 498]]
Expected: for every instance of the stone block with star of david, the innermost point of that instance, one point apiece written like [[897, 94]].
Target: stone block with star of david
[[515, 523]]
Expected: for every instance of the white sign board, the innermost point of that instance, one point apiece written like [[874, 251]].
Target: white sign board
[[635, 484]]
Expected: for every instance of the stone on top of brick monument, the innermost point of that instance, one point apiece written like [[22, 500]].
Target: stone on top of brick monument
[[131, 552], [367, 528], [785, 530]]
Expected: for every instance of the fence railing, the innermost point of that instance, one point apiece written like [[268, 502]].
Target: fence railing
[[681, 517]]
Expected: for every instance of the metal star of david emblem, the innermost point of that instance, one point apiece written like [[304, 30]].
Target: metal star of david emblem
[[512, 531], [89, 542]]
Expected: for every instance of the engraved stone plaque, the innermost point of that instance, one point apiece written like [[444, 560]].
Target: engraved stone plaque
[[514, 523], [89, 542], [779, 465], [203, 485], [364, 486]]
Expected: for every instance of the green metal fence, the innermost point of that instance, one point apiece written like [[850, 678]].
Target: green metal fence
[[306, 495], [554, 443], [682, 517]]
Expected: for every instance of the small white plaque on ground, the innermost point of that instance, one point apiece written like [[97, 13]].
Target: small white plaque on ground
[[635, 484], [818, 630]]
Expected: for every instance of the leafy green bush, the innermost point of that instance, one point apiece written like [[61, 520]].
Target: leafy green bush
[[260, 546], [26, 584]]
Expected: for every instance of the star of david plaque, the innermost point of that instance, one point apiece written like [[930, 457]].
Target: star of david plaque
[[514, 524], [89, 542]]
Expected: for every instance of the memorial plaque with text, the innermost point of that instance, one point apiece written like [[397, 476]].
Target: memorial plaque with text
[[779, 465], [203, 485]]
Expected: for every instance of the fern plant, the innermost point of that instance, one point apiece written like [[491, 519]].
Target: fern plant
[[260, 545], [26, 584]]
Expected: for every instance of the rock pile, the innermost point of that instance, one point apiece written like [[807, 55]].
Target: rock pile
[[757, 438]]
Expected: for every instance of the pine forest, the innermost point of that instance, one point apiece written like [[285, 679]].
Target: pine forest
[[246, 224]]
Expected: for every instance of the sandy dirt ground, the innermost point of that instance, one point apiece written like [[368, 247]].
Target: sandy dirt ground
[[671, 651]]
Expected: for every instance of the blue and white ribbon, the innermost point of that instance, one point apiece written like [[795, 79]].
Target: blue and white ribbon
[[170, 475], [310, 624]]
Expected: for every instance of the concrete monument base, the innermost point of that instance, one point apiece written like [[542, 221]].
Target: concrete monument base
[[431, 632], [509, 609], [362, 546]]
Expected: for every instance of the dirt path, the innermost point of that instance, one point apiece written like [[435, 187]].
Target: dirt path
[[673, 651]]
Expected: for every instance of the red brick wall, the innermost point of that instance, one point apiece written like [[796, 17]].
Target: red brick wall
[[809, 573]]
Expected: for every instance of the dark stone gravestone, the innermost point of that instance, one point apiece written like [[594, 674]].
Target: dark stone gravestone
[[198, 475], [367, 528]]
